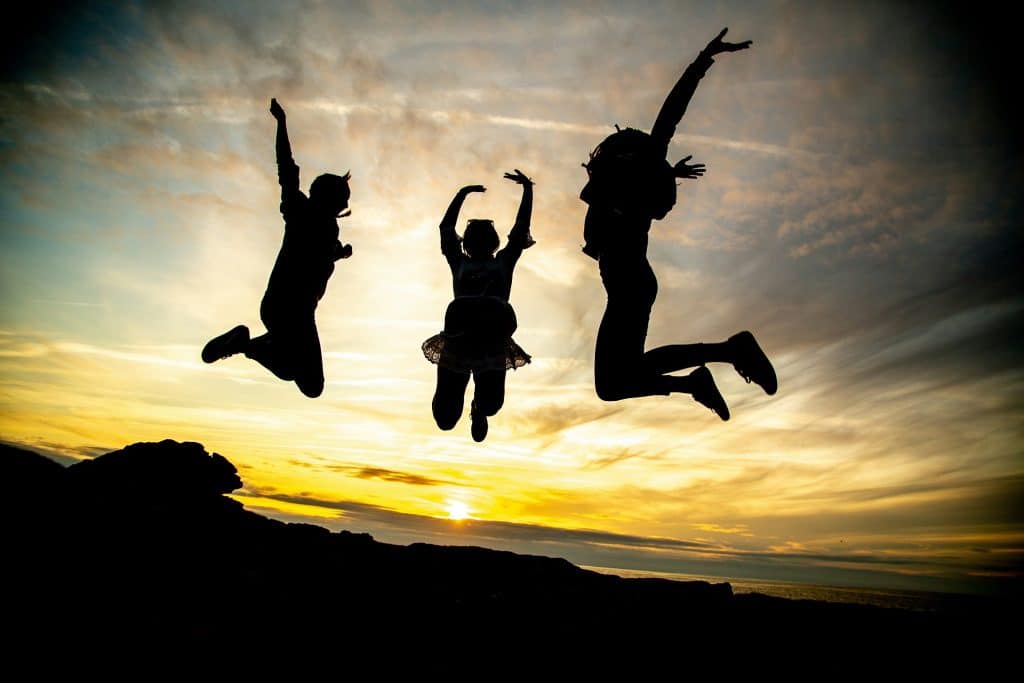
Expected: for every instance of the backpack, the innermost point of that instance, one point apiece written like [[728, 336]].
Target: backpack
[[629, 174]]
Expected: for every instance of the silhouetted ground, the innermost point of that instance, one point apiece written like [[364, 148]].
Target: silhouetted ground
[[139, 550]]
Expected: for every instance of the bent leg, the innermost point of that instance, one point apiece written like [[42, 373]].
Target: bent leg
[[675, 357], [619, 368], [622, 369], [449, 397], [308, 360], [266, 351], [489, 391], [291, 347]]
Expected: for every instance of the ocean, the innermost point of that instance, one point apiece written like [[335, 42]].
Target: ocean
[[899, 599]]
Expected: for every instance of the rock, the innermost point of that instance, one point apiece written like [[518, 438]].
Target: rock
[[167, 468]]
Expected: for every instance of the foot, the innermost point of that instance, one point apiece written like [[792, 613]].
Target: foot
[[706, 393], [228, 344], [751, 362], [478, 424]]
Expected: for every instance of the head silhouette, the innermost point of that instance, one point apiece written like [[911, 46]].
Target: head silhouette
[[330, 192], [480, 239]]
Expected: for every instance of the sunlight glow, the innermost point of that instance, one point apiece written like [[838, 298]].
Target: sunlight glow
[[457, 510], [891, 435]]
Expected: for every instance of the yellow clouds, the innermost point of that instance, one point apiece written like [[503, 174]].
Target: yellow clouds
[[859, 214]]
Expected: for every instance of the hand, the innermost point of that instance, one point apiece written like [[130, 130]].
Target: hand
[[691, 171], [473, 188], [518, 177], [276, 110], [716, 46]]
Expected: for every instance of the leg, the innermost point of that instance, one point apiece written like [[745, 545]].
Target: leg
[[267, 351], [619, 374], [488, 397], [271, 349], [291, 347], [618, 356], [308, 360], [621, 367], [675, 357], [740, 350], [449, 397], [615, 383], [489, 391]]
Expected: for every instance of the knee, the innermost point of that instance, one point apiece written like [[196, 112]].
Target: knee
[[281, 371], [311, 387], [446, 420], [446, 414], [610, 389], [489, 404]]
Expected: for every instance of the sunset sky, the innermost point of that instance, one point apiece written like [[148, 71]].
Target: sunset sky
[[861, 214]]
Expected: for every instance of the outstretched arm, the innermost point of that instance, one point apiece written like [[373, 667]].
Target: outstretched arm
[[675, 104], [520, 238], [287, 170], [449, 238]]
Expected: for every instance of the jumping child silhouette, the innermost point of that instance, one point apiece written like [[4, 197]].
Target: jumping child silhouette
[[479, 322], [291, 346], [630, 185]]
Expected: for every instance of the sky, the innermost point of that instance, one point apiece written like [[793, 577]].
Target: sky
[[861, 214]]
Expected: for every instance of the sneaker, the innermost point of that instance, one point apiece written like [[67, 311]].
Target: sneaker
[[752, 364], [228, 344], [706, 393], [478, 424]]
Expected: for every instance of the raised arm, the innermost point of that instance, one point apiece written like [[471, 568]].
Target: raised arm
[[449, 238], [287, 170], [675, 104], [520, 238]]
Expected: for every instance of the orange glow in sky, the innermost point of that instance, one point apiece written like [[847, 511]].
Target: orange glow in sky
[[837, 220]]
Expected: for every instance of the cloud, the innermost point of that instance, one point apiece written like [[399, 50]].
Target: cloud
[[553, 417], [365, 472], [361, 513], [391, 475], [599, 548], [62, 453], [860, 215], [741, 529]]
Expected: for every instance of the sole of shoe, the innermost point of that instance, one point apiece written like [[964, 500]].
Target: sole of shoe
[[710, 396], [213, 351], [753, 352]]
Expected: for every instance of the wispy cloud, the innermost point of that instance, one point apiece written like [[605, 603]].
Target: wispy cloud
[[860, 215], [669, 554]]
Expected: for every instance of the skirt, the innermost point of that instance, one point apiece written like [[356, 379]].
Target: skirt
[[477, 337]]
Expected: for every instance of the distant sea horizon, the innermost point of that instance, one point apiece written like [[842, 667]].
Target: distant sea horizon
[[926, 601]]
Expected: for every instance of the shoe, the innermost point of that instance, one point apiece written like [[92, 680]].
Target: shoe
[[752, 364], [478, 424], [706, 393], [228, 344]]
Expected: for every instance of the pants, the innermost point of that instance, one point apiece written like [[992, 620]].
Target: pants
[[291, 347], [622, 368], [449, 397]]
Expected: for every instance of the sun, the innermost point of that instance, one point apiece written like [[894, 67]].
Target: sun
[[457, 510]]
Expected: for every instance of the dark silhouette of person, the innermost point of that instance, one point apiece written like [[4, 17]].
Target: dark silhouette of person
[[631, 184], [291, 346], [479, 321]]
